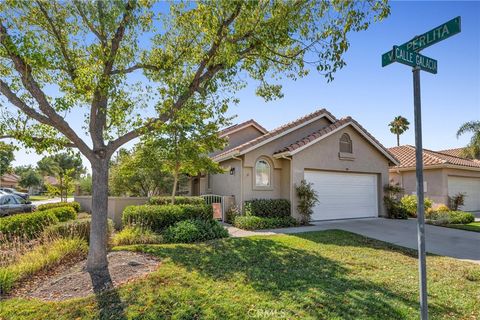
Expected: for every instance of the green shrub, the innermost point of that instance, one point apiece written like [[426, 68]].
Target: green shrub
[[256, 223], [307, 198], [64, 213], [47, 206], [40, 258], [268, 208], [442, 208], [450, 217], [161, 201], [194, 230], [79, 228], [26, 225], [157, 218], [394, 208], [232, 212], [410, 204], [135, 235]]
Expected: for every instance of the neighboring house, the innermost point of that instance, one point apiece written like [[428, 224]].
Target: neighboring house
[[444, 175], [456, 152], [347, 166], [9, 180]]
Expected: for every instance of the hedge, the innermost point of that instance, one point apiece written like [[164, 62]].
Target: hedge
[[79, 228], [194, 230], [64, 213], [75, 205], [162, 201], [450, 217], [26, 225], [269, 208], [157, 218], [256, 223]]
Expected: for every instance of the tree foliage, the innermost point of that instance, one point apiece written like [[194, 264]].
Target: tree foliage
[[30, 178], [398, 126], [472, 150], [79, 60], [6, 157]]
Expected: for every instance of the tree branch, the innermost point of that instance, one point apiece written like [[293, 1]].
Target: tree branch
[[101, 37]]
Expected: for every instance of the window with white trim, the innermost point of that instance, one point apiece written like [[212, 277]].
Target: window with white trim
[[263, 173], [346, 144]]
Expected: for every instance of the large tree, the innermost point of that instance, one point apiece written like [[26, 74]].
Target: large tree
[[472, 150], [6, 157], [29, 177], [398, 126], [67, 60]]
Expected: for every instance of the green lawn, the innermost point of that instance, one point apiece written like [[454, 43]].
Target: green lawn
[[317, 275], [474, 226], [38, 198]]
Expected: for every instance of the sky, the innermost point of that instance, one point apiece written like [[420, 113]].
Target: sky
[[373, 95]]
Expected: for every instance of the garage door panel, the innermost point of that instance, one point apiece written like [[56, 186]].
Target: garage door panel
[[470, 187], [344, 195]]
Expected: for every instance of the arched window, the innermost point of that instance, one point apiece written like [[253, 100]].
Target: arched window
[[346, 144], [262, 173]]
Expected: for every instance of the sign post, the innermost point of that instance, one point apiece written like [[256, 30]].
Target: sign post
[[407, 54]]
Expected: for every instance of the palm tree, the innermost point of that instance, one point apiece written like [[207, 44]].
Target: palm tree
[[472, 150], [398, 126]]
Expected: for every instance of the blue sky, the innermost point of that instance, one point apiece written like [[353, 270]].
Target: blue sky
[[374, 95]]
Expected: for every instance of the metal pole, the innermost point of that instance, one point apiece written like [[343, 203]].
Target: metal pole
[[420, 196]]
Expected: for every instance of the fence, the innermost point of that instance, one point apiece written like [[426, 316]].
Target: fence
[[221, 204]]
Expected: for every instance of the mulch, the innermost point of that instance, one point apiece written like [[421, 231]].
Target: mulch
[[71, 280]]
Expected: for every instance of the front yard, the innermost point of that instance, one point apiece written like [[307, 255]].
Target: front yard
[[474, 226], [317, 275]]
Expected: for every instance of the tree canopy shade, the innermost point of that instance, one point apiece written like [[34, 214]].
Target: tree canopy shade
[[127, 67], [398, 126]]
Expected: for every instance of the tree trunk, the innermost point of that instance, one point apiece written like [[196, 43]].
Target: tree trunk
[[175, 181], [398, 140], [97, 264]]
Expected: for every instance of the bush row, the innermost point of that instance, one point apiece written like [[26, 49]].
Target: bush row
[[26, 225], [449, 217], [157, 218], [255, 223], [79, 228], [47, 206], [269, 208], [161, 201]]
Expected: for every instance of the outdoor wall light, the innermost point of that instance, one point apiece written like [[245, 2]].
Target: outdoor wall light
[[232, 171]]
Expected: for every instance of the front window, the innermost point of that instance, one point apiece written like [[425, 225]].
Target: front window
[[262, 173], [346, 144]]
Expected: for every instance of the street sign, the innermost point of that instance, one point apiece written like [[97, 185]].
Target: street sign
[[408, 54], [413, 59], [427, 39]]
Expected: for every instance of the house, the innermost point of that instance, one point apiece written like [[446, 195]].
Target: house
[[347, 166], [445, 174], [9, 180]]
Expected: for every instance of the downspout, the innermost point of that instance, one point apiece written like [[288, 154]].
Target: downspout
[[241, 181]]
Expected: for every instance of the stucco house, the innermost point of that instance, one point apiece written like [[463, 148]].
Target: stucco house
[[347, 166], [446, 174]]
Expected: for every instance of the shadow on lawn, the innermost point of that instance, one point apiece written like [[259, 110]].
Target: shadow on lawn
[[320, 287], [109, 303]]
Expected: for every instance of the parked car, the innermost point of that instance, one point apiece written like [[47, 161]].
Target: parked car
[[15, 192], [12, 204]]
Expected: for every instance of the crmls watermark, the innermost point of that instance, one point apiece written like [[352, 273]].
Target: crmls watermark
[[260, 313]]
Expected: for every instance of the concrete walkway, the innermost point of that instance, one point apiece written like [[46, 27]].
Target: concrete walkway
[[449, 242], [52, 200]]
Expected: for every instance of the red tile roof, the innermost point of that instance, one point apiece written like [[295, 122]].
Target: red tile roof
[[337, 124], [227, 130], [10, 177], [406, 155], [275, 132]]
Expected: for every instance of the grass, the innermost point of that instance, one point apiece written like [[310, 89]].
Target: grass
[[40, 258], [317, 275], [39, 198], [474, 226]]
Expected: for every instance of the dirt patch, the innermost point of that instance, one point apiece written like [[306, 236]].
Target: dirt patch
[[75, 282]]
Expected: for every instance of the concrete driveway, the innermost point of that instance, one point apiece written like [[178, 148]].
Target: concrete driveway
[[439, 240]]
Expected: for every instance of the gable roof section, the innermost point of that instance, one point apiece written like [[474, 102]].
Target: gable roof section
[[327, 131], [10, 177], [274, 134], [240, 126], [406, 155], [456, 152]]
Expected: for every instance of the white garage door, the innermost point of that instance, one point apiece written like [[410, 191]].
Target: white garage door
[[344, 195], [469, 186]]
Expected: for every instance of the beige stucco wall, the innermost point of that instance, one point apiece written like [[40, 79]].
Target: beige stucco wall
[[436, 179], [323, 155], [115, 206], [225, 183], [240, 137]]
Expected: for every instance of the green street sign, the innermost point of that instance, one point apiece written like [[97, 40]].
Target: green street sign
[[427, 39], [414, 59]]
